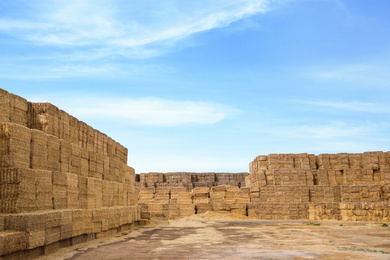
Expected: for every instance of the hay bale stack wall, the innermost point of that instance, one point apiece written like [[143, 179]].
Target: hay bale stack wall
[[61, 181], [348, 187], [180, 194]]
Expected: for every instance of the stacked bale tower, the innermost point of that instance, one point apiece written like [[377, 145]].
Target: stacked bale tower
[[61, 181]]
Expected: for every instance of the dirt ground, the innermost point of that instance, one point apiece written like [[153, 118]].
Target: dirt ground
[[213, 236]]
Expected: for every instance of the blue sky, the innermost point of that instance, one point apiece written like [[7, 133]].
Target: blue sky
[[207, 85]]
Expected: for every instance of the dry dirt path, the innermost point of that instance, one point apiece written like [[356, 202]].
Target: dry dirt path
[[210, 237]]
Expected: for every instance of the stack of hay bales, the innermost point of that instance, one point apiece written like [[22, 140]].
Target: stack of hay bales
[[342, 186], [61, 181], [180, 194], [190, 180]]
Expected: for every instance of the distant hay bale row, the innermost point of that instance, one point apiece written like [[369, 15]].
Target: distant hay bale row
[[350, 187]]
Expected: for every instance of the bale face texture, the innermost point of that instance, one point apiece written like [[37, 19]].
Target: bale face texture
[[61, 181], [15, 143], [4, 106]]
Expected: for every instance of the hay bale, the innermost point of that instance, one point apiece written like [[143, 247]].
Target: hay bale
[[75, 159], [36, 238], [18, 190], [65, 156], [14, 146], [14, 241], [82, 222], [66, 224], [64, 125], [52, 235], [18, 110], [53, 150], [44, 190], [2, 222], [72, 191], [38, 151], [4, 106]]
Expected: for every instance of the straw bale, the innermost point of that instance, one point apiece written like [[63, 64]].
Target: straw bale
[[4, 106], [84, 166], [2, 221], [44, 189], [49, 249], [98, 137], [65, 156], [220, 206], [54, 219], [72, 191], [96, 227], [34, 221], [38, 150], [75, 158], [13, 241], [124, 216], [186, 209], [98, 184], [36, 238], [99, 166], [52, 235], [82, 134], [98, 215], [90, 133], [66, 227], [200, 200], [238, 208], [18, 109], [111, 147], [73, 130], [155, 207], [18, 190], [108, 193], [63, 125], [15, 146], [114, 215], [59, 178], [45, 118], [53, 151], [82, 222], [203, 207], [184, 200], [385, 173], [171, 211], [4, 114], [105, 145], [146, 215], [200, 190]]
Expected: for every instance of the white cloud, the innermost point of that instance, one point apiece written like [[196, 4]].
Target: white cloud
[[326, 131], [147, 111], [123, 26], [332, 130], [372, 74], [351, 106], [59, 71]]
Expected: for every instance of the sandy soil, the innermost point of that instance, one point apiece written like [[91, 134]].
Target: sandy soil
[[213, 236]]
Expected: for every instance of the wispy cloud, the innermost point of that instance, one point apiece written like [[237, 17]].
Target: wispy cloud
[[326, 131], [372, 73], [123, 26], [332, 130], [59, 71], [366, 107], [147, 111]]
